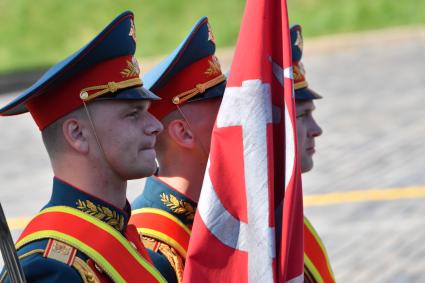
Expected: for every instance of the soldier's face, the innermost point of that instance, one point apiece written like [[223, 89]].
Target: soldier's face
[[203, 121], [209, 116], [307, 131], [127, 133]]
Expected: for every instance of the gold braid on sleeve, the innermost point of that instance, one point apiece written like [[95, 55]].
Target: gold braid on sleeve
[[175, 260], [86, 272]]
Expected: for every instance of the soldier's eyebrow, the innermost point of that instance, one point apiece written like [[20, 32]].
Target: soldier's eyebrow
[[301, 113], [309, 108], [304, 110], [140, 105]]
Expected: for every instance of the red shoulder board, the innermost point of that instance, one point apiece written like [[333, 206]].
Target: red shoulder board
[[316, 260], [107, 247], [162, 226]]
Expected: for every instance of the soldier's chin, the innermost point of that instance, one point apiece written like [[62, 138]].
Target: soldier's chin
[[306, 166], [147, 170]]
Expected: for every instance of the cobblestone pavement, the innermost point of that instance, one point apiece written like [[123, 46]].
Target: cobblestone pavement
[[374, 132], [373, 119]]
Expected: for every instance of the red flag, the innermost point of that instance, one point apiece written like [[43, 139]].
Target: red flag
[[249, 222]]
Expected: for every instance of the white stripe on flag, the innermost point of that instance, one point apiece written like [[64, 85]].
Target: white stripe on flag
[[218, 220], [250, 106], [290, 147]]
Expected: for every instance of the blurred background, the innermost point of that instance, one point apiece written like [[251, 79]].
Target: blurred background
[[366, 192], [40, 34]]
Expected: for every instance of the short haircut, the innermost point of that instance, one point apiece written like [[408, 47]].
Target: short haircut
[[162, 139], [52, 135]]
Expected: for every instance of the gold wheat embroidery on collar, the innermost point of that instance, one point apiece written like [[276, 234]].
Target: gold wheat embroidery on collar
[[102, 213], [180, 207]]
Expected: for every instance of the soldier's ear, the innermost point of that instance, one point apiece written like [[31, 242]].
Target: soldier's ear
[[180, 132], [75, 133]]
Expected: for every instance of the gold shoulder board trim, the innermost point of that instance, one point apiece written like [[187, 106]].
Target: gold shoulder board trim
[[86, 272], [150, 243], [174, 258]]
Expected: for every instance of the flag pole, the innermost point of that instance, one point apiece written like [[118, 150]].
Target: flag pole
[[8, 252]]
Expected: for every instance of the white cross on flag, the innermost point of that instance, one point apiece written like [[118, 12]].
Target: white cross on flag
[[249, 223]]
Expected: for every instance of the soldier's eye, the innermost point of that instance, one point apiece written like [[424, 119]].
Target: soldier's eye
[[301, 115], [133, 114]]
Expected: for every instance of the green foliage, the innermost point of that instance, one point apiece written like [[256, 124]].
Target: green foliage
[[43, 32], [337, 16]]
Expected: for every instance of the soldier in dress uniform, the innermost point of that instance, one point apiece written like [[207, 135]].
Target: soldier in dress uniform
[[191, 85], [92, 111], [164, 212], [316, 263]]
